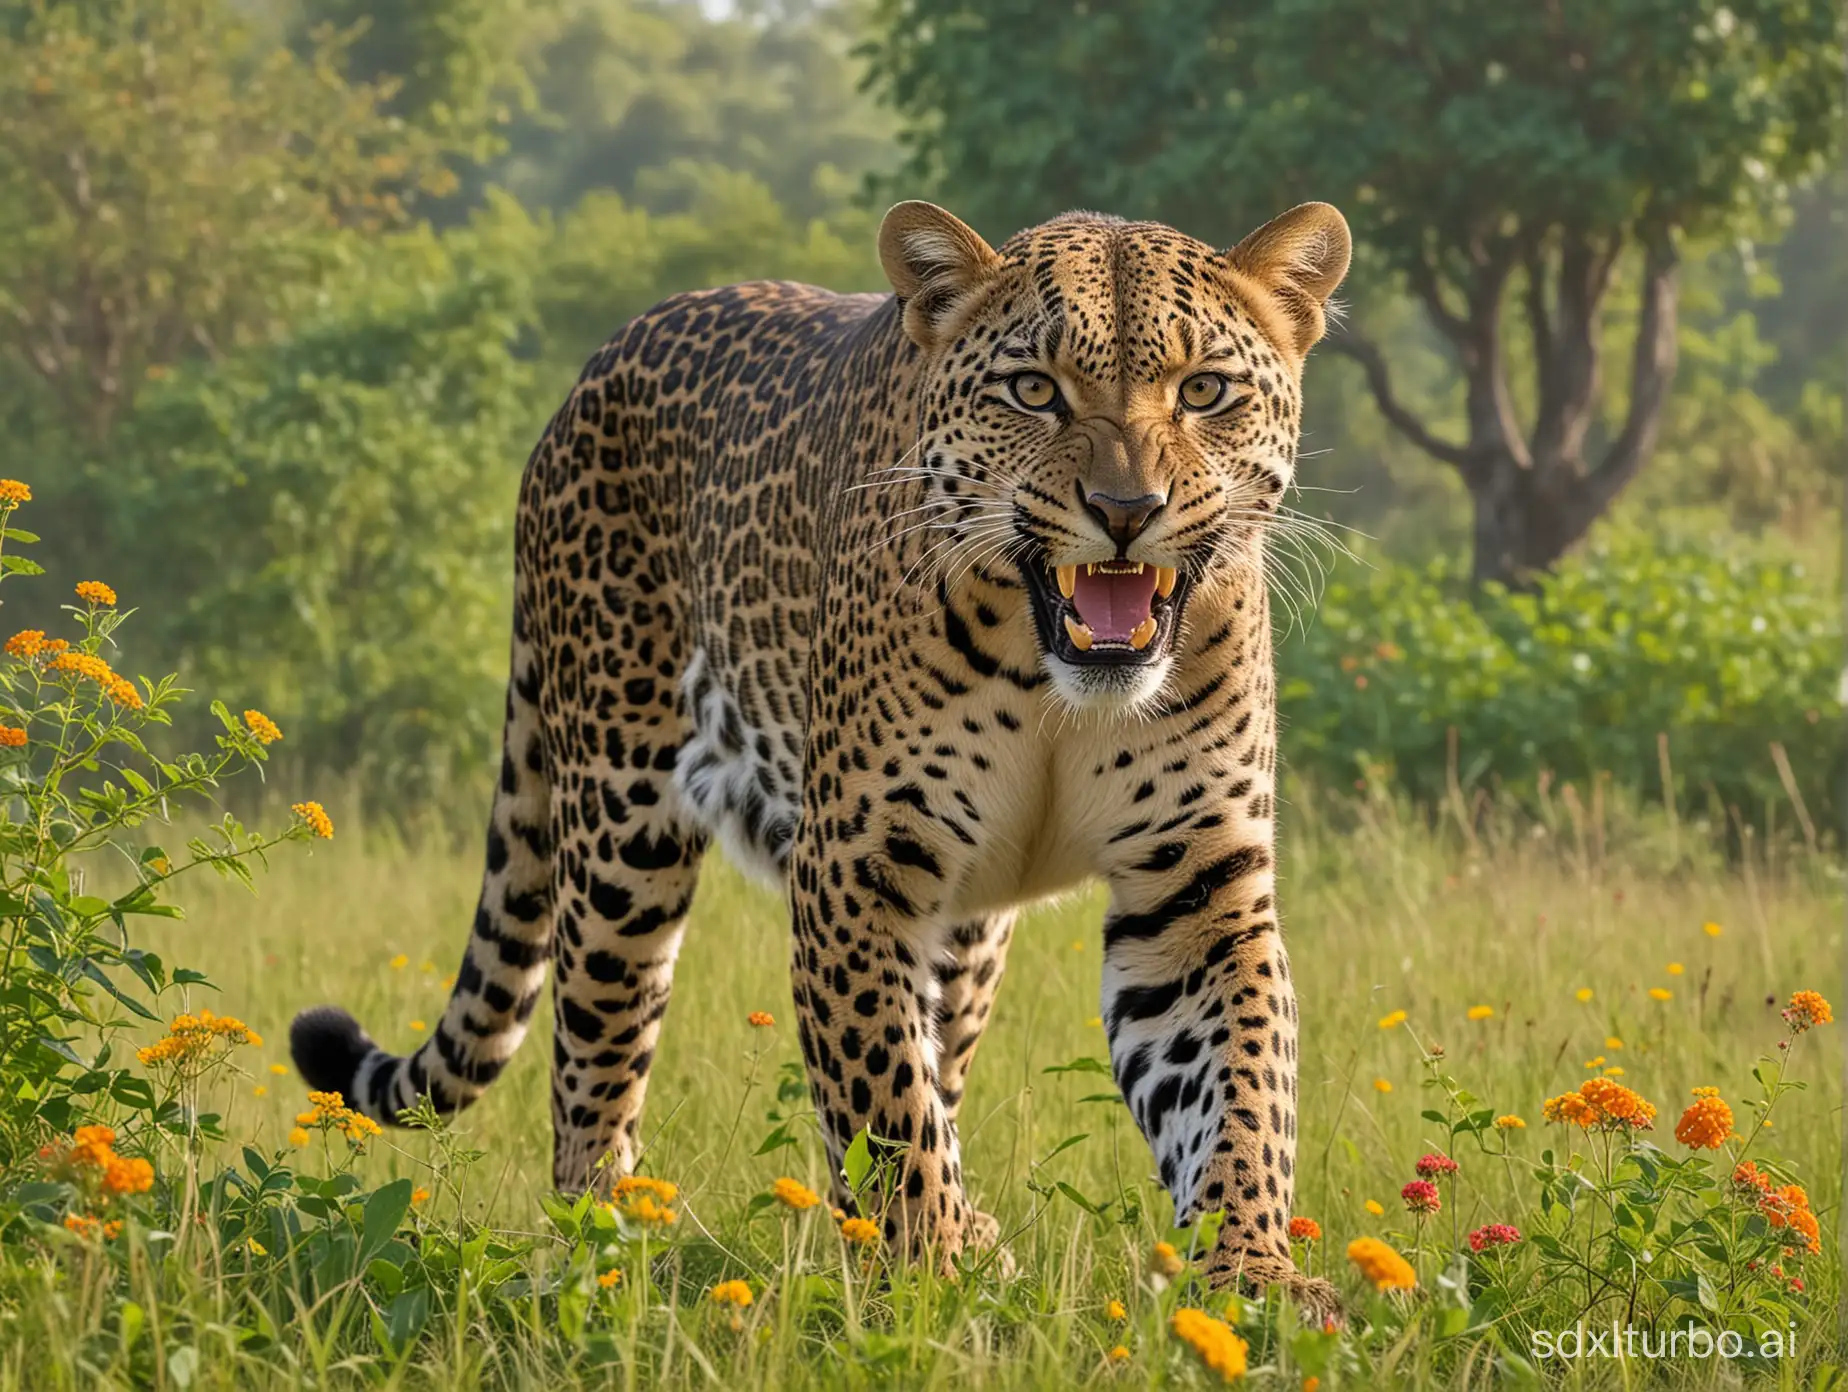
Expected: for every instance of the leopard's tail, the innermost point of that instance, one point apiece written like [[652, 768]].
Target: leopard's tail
[[503, 968]]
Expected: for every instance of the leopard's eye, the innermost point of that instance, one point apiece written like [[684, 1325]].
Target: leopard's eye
[[1034, 390], [1203, 391]]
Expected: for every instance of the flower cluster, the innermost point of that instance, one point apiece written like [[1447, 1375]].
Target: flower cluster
[[760, 1019], [646, 1200], [1305, 1229], [1494, 1235], [1601, 1103], [1806, 1010], [732, 1293], [1790, 1207], [316, 818], [1219, 1348], [91, 1161], [95, 592], [328, 1111], [1420, 1197], [1435, 1166], [859, 1232], [60, 659], [188, 1044], [260, 725], [1167, 1261], [1707, 1124], [1381, 1265], [792, 1194]]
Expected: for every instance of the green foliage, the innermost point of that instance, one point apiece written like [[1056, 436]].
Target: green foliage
[[1638, 637]]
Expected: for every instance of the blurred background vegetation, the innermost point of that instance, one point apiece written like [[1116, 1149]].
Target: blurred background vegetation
[[290, 286]]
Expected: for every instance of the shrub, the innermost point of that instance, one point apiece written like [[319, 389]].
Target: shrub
[[1638, 637]]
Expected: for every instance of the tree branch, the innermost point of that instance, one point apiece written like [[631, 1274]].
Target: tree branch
[[1652, 373], [1379, 381]]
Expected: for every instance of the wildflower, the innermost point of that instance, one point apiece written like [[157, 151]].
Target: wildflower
[[1807, 1009], [610, 1277], [92, 1145], [419, 1195], [1617, 1103], [1312, 1383], [1481, 1012], [122, 691], [298, 1136], [262, 727], [256, 1248], [663, 1189], [1305, 1229], [1749, 1181], [1435, 1166], [281, 1070], [1790, 1207], [793, 1195], [1660, 993], [13, 492], [1166, 1260], [760, 1019], [1381, 1085], [399, 963], [1219, 1348], [1095, 1022], [126, 1175], [1393, 1020], [1421, 1197], [1583, 993], [316, 818], [1712, 930], [259, 1091], [1614, 1071], [189, 1040], [646, 1200], [1119, 1354], [860, 1232], [27, 643], [95, 592], [1613, 1042], [1510, 1122], [1675, 969], [1116, 1311], [328, 1111], [81, 1224], [12, 737], [1569, 1109], [1494, 1235], [1707, 1124], [1381, 1265], [732, 1293], [1375, 1207], [1597, 1062]]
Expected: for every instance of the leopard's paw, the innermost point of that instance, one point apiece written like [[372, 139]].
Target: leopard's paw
[[1315, 1300]]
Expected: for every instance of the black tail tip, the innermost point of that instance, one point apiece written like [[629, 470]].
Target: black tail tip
[[328, 1046]]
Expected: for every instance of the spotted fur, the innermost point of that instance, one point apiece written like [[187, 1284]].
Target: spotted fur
[[785, 577]]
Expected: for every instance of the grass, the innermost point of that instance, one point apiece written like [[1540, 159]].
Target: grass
[[1382, 913]]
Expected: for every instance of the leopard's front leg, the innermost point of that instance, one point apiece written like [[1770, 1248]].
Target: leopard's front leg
[[1202, 1024], [864, 994]]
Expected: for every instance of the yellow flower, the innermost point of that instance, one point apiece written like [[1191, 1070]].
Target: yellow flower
[[1597, 1062], [1382, 1085], [257, 1248], [1510, 1123], [732, 1293], [13, 492], [1381, 1265], [859, 1231], [189, 1040], [1115, 1310], [1393, 1020], [1119, 1354], [281, 1070], [95, 592], [399, 963], [447, 982], [1373, 1206], [1614, 1071], [299, 1137], [1707, 1124], [262, 727], [760, 1019], [418, 1026], [1660, 993], [1712, 930], [1583, 993], [1481, 1012], [27, 643], [610, 1277], [791, 1194], [1095, 1022], [316, 818], [1219, 1348], [1613, 1042], [122, 691], [259, 1091], [12, 737], [1166, 1260], [1675, 969]]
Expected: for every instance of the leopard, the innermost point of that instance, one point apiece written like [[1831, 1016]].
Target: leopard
[[922, 607]]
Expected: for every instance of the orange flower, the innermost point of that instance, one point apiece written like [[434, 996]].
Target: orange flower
[[1381, 1265], [262, 727], [13, 492], [859, 1231], [12, 737], [731, 1293], [792, 1194], [316, 818], [760, 1019], [128, 1176], [26, 643], [1219, 1348], [1807, 1008], [1116, 1311], [1166, 1260], [1790, 1207], [95, 592], [1707, 1124], [1306, 1229], [1750, 1181]]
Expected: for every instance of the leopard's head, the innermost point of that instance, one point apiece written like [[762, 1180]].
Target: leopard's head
[[1114, 408]]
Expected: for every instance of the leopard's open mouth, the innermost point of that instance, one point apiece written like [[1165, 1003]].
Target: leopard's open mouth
[[1108, 613]]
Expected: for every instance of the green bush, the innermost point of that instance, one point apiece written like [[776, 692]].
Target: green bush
[[1726, 654]]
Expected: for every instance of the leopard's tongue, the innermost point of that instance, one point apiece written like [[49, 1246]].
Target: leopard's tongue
[[1112, 604]]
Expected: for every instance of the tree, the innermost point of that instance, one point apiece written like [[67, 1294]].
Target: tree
[[1516, 167], [168, 189]]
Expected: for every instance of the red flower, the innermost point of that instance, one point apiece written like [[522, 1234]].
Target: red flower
[[1437, 1166], [1494, 1235], [1421, 1197]]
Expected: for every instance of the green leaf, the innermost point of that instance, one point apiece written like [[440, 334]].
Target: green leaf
[[408, 1314], [857, 1163], [385, 1210], [1081, 1065], [20, 565], [1078, 1199]]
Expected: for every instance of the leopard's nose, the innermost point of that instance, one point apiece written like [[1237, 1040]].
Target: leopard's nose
[[1124, 518]]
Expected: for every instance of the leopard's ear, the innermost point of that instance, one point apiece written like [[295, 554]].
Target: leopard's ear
[[933, 260], [1299, 257]]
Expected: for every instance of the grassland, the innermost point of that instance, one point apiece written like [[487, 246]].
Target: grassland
[[1383, 913]]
